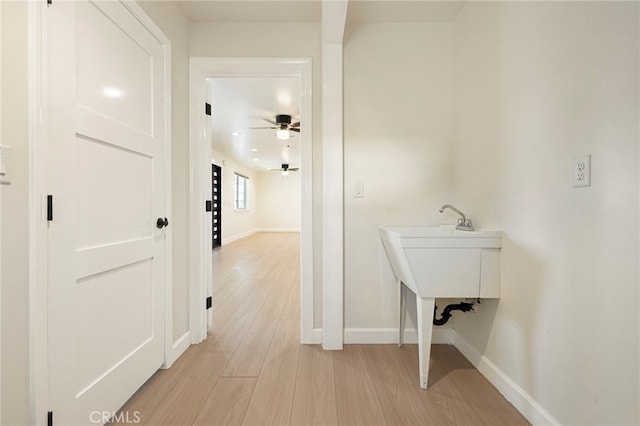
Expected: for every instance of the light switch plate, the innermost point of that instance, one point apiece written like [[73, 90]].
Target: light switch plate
[[581, 171], [359, 190]]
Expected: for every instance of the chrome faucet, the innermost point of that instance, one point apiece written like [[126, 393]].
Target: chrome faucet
[[464, 224]]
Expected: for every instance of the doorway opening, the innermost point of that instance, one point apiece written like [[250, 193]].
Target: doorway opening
[[255, 135], [202, 71]]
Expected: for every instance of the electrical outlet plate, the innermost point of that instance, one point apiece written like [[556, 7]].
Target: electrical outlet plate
[[581, 171]]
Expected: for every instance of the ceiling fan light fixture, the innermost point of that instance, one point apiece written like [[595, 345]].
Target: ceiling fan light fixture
[[282, 134], [285, 173]]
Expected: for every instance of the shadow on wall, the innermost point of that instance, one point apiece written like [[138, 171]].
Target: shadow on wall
[[516, 327]]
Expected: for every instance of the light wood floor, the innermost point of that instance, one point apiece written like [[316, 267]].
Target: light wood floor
[[252, 369]]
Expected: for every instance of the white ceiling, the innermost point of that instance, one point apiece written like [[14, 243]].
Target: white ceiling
[[241, 103]]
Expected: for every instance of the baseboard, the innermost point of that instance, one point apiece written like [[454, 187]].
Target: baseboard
[[178, 348], [384, 336], [278, 230], [236, 237], [517, 396]]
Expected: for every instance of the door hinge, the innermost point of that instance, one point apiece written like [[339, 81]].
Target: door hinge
[[50, 418], [207, 108], [209, 302], [207, 206], [49, 208]]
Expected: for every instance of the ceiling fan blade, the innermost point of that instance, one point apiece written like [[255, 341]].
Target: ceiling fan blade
[[271, 128], [295, 130], [293, 169], [296, 124], [271, 122]]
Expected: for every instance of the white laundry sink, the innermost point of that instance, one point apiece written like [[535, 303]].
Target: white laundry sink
[[441, 261]]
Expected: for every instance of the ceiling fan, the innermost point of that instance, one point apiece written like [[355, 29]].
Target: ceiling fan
[[282, 126], [285, 169]]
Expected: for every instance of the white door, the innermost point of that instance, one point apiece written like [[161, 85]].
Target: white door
[[106, 168]]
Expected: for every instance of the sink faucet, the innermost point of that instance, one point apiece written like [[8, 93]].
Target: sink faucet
[[464, 224]]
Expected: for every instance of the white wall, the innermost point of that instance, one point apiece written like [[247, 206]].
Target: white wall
[[398, 115], [276, 40], [237, 223], [15, 217], [537, 84], [278, 201], [174, 25]]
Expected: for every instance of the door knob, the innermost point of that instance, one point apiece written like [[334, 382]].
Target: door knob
[[161, 223]]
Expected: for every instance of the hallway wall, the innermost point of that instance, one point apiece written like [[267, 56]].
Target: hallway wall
[[538, 83], [398, 115], [15, 216], [278, 201]]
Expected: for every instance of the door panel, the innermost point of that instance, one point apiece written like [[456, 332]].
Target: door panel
[[105, 316], [118, 82], [113, 200], [106, 173]]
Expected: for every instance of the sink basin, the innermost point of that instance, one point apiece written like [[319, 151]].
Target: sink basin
[[440, 261]]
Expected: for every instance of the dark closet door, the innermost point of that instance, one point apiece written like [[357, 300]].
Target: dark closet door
[[216, 197]]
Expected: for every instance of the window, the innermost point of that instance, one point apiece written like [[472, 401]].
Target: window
[[240, 192]]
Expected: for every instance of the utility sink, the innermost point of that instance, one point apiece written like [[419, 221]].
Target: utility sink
[[441, 261]]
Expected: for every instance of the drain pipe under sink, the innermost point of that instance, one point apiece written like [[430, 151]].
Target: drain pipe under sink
[[446, 314]]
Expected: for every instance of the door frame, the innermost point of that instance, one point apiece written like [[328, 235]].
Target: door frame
[[201, 69], [38, 226]]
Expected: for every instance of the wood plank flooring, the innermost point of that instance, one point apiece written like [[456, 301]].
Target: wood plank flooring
[[252, 370]]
